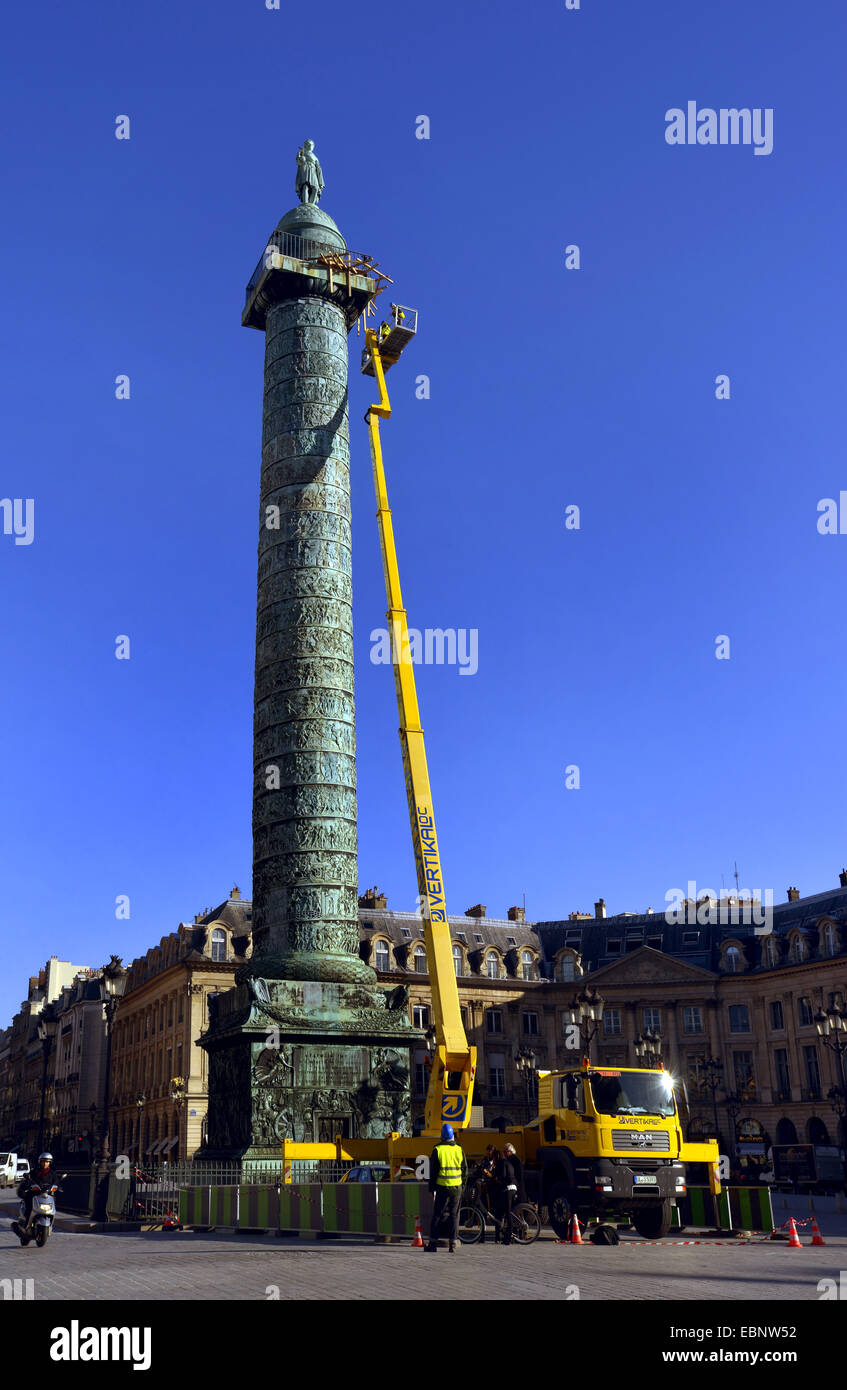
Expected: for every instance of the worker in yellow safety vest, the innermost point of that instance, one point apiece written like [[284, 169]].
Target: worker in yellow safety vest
[[448, 1173]]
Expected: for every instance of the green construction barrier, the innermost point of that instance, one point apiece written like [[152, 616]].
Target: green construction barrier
[[194, 1206], [300, 1207], [746, 1208], [223, 1206], [258, 1208], [400, 1205]]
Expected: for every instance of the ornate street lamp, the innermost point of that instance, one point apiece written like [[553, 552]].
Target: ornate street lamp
[[140, 1102], [178, 1101], [709, 1074], [831, 1024], [525, 1063], [648, 1048], [586, 1011], [112, 981]]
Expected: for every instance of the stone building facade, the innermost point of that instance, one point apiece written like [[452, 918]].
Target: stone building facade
[[164, 1011]]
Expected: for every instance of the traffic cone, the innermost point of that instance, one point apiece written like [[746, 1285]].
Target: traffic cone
[[793, 1238], [576, 1238], [817, 1238], [417, 1243]]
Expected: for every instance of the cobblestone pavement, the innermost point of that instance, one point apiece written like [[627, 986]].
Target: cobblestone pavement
[[182, 1265]]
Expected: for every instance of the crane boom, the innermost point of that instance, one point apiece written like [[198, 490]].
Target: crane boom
[[451, 1079]]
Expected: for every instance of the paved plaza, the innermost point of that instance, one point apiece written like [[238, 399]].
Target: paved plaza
[[184, 1265]]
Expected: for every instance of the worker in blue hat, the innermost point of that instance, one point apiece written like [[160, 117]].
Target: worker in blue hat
[[448, 1173]]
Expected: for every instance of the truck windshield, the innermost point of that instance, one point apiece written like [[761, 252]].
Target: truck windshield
[[632, 1093]]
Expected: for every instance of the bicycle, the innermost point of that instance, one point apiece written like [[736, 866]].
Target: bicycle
[[474, 1217]]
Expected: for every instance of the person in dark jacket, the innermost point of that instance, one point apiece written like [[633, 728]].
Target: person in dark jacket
[[41, 1177], [509, 1174], [448, 1173]]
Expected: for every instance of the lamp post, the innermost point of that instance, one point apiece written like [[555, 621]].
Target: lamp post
[[46, 1029], [648, 1048], [585, 1012], [112, 983], [709, 1074], [140, 1102], [525, 1063], [831, 1024], [178, 1101], [732, 1104]]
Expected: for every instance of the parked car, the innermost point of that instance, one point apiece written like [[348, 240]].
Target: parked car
[[377, 1172]]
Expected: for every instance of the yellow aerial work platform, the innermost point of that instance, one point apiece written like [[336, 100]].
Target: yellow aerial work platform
[[392, 336]]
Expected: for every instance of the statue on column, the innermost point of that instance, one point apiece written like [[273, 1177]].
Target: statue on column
[[310, 179]]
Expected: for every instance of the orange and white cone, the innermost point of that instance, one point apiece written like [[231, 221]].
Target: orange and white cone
[[817, 1238], [793, 1238], [576, 1238], [417, 1243]]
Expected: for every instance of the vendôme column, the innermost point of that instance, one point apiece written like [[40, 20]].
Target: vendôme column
[[341, 1065]]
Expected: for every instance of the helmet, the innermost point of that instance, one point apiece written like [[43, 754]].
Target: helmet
[[447, 1133], [45, 1158], [508, 1148]]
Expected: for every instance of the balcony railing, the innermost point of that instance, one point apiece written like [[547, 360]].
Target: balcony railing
[[287, 244]]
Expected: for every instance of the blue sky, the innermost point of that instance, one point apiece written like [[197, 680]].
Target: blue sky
[[548, 388]]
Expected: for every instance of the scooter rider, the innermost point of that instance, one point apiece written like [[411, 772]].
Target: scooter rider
[[42, 1177]]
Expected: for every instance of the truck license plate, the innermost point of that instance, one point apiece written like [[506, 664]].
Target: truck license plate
[[645, 1182]]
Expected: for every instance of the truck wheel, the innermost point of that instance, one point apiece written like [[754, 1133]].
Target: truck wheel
[[561, 1211], [653, 1222]]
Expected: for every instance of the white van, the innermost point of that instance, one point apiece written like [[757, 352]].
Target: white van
[[12, 1169]]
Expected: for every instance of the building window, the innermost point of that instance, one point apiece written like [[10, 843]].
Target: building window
[[218, 944], [497, 1079], [739, 1018], [696, 1077], [777, 1016], [655, 942], [813, 1076], [382, 955], [530, 1025], [406, 933], [420, 1016], [651, 1019], [611, 1022], [460, 936], [421, 1078], [692, 1019], [477, 938], [527, 965], [783, 1079], [690, 938], [511, 941], [420, 960], [568, 967], [798, 949], [494, 1020], [457, 959], [732, 960], [804, 1012], [745, 1081], [829, 944], [492, 966], [769, 954]]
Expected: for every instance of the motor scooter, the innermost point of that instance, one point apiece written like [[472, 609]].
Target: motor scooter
[[41, 1217]]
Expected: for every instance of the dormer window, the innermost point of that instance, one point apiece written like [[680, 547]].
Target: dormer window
[[219, 944]]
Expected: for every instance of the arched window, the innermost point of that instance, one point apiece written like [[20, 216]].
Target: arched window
[[527, 965], [785, 1132], [816, 1131], [732, 960], [457, 959], [420, 960], [829, 942], [769, 952], [798, 949], [382, 956], [568, 967], [218, 944], [492, 966]]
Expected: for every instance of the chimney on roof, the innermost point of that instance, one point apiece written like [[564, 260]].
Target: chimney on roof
[[793, 895], [478, 911], [842, 878], [372, 900], [236, 892], [516, 914], [600, 908]]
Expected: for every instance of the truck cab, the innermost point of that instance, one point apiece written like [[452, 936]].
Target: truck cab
[[608, 1141]]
